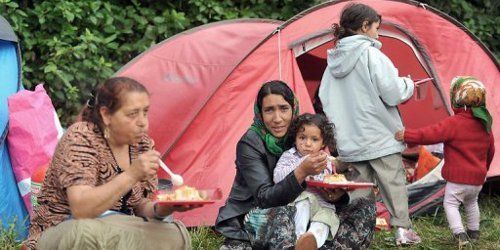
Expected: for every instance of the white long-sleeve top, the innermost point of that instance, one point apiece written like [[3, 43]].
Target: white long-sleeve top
[[289, 161]]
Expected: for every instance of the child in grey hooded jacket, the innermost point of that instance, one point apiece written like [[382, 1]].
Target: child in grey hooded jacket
[[360, 91]]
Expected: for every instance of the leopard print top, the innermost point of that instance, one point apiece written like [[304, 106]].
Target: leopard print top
[[82, 157]]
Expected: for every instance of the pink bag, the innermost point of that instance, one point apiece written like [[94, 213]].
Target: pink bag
[[32, 137]]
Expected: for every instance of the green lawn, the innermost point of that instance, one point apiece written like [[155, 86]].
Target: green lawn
[[8, 238], [435, 233], [432, 229]]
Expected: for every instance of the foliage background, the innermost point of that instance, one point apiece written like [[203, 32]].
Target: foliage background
[[73, 45]]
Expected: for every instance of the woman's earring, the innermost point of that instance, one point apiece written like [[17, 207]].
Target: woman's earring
[[106, 133]]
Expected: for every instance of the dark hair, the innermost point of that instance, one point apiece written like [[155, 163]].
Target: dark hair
[[352, 18], [275, 87], [319, 121], [109, 94], [317, 105], [318, 108]]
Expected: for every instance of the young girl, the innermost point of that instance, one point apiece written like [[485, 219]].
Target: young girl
[[311, 133], [468, 152], [360, 91]]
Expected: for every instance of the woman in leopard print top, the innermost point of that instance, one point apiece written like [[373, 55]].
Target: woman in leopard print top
[[105, 164]]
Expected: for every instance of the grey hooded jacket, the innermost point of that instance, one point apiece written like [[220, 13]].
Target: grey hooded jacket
[[360, 91]]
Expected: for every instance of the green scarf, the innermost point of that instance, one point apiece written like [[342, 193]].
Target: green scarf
[[484, 116], [468, 91], [273, 144]]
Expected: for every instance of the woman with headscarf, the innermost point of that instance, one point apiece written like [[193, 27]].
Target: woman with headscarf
[[468, 151], [255, 214]]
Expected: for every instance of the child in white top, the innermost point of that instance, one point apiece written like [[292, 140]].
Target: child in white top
[[311, 133]]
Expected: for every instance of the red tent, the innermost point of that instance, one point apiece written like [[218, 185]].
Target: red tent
[[204, 81], [190, 102]]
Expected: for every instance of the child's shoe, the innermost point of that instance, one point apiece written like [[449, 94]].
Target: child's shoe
[[406, 237], [473, 234], [462, 239]]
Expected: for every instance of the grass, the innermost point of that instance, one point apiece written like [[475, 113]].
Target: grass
[[8, 237], [432, 229], [204, 238], [435, 233]]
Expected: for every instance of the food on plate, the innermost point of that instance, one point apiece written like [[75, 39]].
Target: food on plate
[[335, 178], [184, 193], [381, 224]]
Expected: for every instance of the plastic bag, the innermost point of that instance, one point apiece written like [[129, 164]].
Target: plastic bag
[[33, 136]]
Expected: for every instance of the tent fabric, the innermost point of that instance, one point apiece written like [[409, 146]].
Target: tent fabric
[[9, 79], [6, 31], [184, 71], [185, 75], [451, 48], [12, 208], [204, 82], [423, 198]]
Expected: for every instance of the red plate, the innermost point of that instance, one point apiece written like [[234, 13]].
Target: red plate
[[179, 203], [347, 185], [209, 196]]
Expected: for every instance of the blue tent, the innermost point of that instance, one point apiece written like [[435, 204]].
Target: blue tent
[[12, 208]]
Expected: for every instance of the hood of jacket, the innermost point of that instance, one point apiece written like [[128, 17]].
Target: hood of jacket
[[343, 58]]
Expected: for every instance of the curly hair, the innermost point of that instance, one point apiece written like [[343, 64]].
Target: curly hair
[[320, 121]]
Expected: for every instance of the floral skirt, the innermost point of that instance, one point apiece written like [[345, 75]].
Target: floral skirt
[[271, 228], [274, 228], [357, 226]]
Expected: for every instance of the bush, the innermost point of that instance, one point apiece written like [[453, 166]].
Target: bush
[[73, 45]]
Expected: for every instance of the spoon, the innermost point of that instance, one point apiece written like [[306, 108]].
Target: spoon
[[175, 178], [331, 161]]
